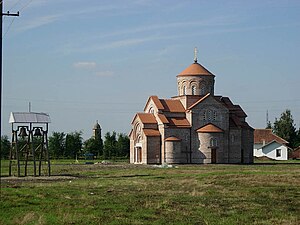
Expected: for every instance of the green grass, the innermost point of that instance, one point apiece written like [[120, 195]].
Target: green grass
[[119, 193]]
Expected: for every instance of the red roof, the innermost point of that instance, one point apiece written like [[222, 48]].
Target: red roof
[[157, 102], [179, 122], [172, 138], [171, 105], [195, 69], [163, 118], [147, 118], [210, 128], [266, 136], [151, 132]]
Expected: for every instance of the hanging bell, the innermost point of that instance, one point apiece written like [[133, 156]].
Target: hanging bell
[[23, 132], [37, 132]]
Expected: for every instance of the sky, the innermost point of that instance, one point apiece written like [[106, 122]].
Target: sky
[[83, 61]]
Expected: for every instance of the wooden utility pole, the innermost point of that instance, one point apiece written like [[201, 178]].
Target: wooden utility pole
[[1, 20]]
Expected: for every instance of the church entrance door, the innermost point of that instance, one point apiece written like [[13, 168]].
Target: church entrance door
[[213, 155], [138, 154]]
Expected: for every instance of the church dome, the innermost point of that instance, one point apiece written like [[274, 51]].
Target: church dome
[[195, 69]]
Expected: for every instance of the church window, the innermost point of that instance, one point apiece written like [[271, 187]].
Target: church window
[[213, 142], [209, 115], [139, 139], [204, 115], [193, 90], [215, 116], [184, 90], [151, 110], [137, 130]]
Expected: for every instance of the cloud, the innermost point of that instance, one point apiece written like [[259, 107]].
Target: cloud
[[85, 65]]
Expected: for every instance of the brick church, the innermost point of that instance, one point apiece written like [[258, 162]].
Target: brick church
[[196, 126]]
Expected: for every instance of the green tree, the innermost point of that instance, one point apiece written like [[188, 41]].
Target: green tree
[[123, 145], [269, 125], [57, 144], [285, 128], [73, 144], [5, 147], [110, 145], [94, 146]]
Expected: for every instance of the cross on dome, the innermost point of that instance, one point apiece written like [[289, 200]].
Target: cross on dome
[[195, 54]]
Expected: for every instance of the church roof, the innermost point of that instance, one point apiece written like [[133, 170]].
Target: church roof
[[156, 101], [162, 118], [171, 105], [179, 122], [266, 135], [235, 109], [195, 69], [210, 128], [29, 117], [151, 132], [172, 138], [147, 118], [166, 105]]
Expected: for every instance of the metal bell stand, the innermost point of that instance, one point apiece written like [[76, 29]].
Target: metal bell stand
[[29, 143]]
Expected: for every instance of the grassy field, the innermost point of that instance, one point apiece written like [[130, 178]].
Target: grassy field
[[119, 193]]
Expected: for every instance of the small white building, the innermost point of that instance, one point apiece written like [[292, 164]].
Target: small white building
[[270, 145]]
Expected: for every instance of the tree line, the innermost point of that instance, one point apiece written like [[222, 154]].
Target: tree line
[[72, 146]]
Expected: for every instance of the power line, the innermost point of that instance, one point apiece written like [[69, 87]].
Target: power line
[[9, 26], [25, 6], [75, 102], [11, 8]]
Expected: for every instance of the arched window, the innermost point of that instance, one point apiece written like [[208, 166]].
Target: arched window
[[193, 90], [215, 116], [209, 115], [184, 90], [138, 140], [213, 142], [137, 130], [151, 110]]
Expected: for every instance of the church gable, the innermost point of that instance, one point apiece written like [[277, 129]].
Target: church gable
[[144, 124], [208, 110], [153, 105], [199, 101], [143, 121]]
